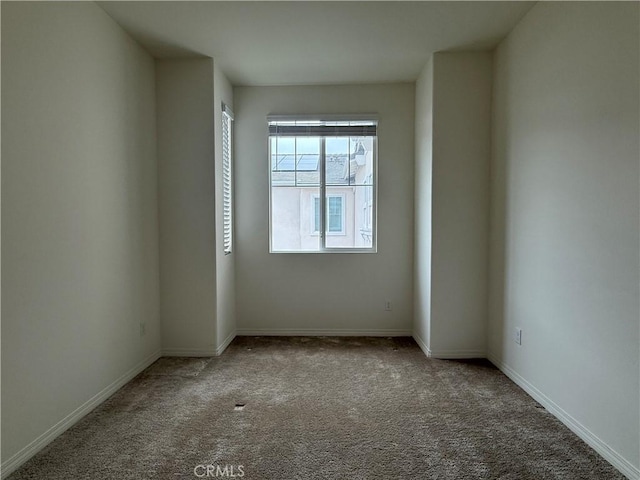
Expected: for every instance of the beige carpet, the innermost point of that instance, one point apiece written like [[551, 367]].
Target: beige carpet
[[178, 366], [319, 408]]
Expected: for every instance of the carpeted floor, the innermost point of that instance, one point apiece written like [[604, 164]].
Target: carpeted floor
[[319, 408]]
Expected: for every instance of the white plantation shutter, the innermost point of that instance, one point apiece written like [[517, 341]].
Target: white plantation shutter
[[227, 179]]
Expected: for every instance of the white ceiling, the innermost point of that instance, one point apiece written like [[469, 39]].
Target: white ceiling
[[317, 42]]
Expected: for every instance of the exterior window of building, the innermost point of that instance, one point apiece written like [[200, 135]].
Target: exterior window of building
[[335, 220], [322, 184], [335, 215]]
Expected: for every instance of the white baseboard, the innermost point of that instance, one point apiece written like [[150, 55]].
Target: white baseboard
[[14, 462], [609, 454], [421, 343], [314, 332], [199, 352], [457, 354], [448, 354], [223, 346], [188, 352]]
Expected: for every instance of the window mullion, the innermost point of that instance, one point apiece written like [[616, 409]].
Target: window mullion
[[295, 161], [323, 194]]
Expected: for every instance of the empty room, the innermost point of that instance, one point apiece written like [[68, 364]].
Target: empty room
[[320, 239]]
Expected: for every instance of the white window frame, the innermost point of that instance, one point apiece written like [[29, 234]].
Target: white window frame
[[343, 214], [323, 188], [227, 179]]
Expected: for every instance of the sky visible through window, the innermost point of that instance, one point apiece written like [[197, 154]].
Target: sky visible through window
[[311, 145]]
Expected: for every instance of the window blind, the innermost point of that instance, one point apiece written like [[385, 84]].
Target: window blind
[[227, 179], [320, 128]]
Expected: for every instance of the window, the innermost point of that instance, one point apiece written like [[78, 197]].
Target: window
[[335, 215], [322, 184], [227, 179]]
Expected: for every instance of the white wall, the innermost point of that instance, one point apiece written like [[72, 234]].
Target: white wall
[[452, 204], [325, 293], [422, 207], [565, 218], [460, 208], [79, 217], [225, 264], [187, 205]]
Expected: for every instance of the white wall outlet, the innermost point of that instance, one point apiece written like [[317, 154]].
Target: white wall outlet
[[517, 335], [143, 329], [387, 305]]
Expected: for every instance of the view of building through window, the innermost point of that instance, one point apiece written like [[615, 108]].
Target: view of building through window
[[322, 168]]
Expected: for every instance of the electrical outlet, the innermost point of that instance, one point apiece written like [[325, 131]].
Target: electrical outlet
[[143, 329], [387, 305], [517, 336]]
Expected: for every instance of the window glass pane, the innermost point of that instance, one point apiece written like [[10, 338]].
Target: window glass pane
[[308, 161], [350, 213], [337, 145], [361, 160], [363, 216], [316, 214], [336, 171], [308, 145], [293, 219], [334, 214], [281, 178], [286, 145], [339, 222]]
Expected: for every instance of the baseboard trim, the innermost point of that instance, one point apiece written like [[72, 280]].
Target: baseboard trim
[[609, 454], [422, 344], [457, 354], [312, 332], [188, 352], [221, 348], [448, 354], [13, 463]]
